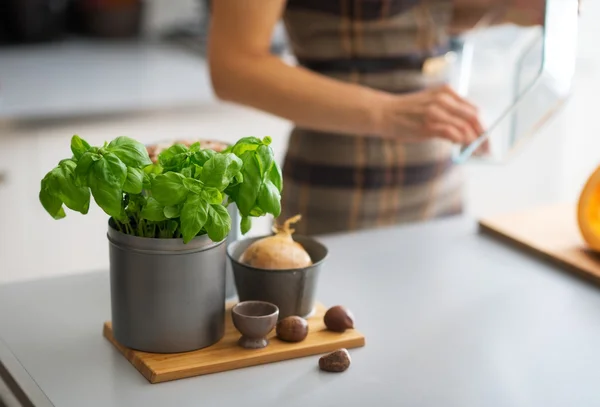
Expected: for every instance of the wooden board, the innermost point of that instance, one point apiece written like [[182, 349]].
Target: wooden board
[[227, 355], [550, 232]]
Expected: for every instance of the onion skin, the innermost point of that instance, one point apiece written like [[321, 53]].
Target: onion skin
[[278, 252]]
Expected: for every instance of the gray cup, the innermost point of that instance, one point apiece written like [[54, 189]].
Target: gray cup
[[292, 291], [166, 296]]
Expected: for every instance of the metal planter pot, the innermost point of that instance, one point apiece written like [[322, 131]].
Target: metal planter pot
[[166, 296], [293, 291]]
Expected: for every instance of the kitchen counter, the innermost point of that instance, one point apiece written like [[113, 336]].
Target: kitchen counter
[[451, 317], [82, 77]]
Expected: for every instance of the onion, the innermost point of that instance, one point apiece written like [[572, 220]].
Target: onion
[[278, 252]]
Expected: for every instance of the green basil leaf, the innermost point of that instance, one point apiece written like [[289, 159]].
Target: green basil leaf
[[232, 192], [246, 144], [147, 181], [276, 177], [176, 163], [193, 185], [172, 211], [202, 156], [257, 212], [68, 164], [249, 189], [245, 224], [134, 182], [84, 164], [218, 224], [79, 146], [64, 187], [131, 152], [236, 180], [51, 203], [111, 169], [248, 140], [220, 170], [107, 195], [168, 188], [153, 211], [173, 158], [153, 169], [106, 180], [50, 182], [135, 204], [212, 195], [265, 159], [187, 172], [172, 151], [197, 171], [194, 215], [74, 197], [195, 147], [269, 198]]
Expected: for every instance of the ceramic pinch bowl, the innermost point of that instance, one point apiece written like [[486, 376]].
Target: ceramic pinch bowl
[[254, 320]]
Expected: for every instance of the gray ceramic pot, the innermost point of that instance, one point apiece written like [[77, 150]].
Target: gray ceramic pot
[[166, 296], [292, 291]]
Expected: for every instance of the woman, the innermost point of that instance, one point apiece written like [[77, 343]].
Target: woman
[[374, 122]]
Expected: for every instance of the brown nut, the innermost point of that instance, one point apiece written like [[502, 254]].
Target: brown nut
[[292, 329], [338, 319], [336, 361]]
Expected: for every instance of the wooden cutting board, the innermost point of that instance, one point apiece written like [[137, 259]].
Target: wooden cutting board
[[549, 232], [227, 355]]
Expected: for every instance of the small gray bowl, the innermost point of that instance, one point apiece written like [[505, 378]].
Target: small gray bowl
[[292, 291], [254, 320]]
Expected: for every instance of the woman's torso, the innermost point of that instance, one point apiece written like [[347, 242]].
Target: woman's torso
[[343, 182]]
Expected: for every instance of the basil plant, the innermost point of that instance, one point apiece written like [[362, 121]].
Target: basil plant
[[183, 195]]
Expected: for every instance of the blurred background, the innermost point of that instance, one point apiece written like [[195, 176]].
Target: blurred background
[[106, 68]]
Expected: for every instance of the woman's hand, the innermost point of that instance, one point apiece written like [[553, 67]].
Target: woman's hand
[[437, 112]]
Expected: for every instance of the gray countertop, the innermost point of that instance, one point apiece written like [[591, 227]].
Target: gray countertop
[[451, 317], [81, 77]]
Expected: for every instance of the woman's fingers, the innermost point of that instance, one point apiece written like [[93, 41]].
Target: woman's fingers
[[432, 113], [445, 131], [462, 109], [436, 114], [447, 90]]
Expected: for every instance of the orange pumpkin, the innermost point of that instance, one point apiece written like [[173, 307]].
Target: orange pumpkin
[[588, 211]]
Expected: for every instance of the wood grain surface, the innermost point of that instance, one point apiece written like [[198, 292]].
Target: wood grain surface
[[549, 232], [227, 355]]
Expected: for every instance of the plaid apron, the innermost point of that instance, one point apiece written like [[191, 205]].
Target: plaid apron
[[344, 183]]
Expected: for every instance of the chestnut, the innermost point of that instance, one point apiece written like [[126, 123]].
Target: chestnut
[[292, 329], [338, 319]]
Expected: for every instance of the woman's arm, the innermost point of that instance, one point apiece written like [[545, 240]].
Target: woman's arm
[[243, 71]]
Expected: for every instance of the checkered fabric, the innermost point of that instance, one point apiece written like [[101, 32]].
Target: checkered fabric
[[345, 183]]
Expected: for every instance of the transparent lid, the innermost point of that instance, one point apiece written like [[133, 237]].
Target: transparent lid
[[519, 76]]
